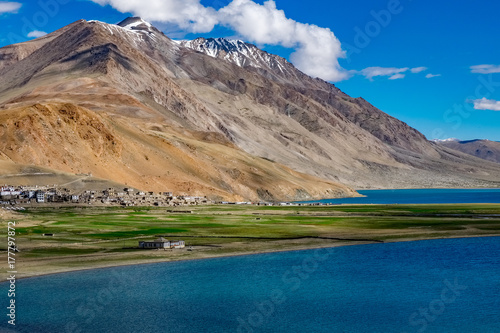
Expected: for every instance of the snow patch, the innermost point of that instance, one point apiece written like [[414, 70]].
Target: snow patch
[[237, 52], [135, 24], [446, 140]]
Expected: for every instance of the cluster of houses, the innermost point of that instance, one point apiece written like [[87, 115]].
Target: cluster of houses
[[18, 196], [33, 195]]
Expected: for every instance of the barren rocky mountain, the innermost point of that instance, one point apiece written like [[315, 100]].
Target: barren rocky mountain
[[209, 116], [485, 149]]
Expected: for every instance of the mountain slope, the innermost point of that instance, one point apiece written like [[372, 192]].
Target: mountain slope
[[358, 111], [256, 106], [73, 139]]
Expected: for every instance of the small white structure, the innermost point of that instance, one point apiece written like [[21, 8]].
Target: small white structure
[[177, 245]]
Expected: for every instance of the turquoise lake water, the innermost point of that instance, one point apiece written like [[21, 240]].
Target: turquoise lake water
[[450, 285], [422, 196]]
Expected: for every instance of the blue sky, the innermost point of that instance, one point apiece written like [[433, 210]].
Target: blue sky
[[406, 42]]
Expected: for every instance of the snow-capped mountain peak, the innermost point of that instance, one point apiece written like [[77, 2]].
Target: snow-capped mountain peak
[[136, 24], [134, 29], [238, 52]]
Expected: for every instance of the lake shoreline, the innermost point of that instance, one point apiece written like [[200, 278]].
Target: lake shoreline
[[236, 254]]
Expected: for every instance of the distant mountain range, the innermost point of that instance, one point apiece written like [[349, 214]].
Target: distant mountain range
[[209, 117], [485, 149]]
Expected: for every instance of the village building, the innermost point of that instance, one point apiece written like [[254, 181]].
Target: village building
[[40, 196], [177, 245], [162, 243]]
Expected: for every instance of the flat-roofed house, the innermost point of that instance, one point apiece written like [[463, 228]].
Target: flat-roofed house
[[40, 196], [160, 243]]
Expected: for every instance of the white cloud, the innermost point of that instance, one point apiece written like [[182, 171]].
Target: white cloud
[[9, 7], [397, 76], [36, 34], [317, 50], [393, 72], [263, 23], [418, 69], [486, 104], [485, 69], [187, 14]]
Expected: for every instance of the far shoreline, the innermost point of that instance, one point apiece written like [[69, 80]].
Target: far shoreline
[[427, 188], [341, 201]]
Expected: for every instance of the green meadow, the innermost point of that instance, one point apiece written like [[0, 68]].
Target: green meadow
[[92, 237]]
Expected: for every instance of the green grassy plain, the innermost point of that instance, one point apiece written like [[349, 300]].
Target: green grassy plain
[[96, 237]]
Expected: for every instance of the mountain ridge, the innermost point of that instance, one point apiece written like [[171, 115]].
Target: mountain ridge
[[485, 149]]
